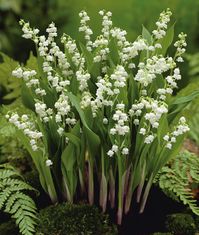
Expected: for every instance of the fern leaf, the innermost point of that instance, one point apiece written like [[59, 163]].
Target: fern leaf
[[14, 201], [175, 180]]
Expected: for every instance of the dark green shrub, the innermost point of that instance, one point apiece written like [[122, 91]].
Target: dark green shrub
[[197, 222], [9, 228], [180, 224], [67, 219]]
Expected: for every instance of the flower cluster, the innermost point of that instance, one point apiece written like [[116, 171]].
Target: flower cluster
[[152, 111], [27, 75], [83, 78], [63, 113], [121, 126], [71, 48], [119, 77], [180, 47], [120, 129], [180, 129], [24, 124], [103, 41], [162, 24], [86, 29], [29, 33], [153, 67], [106, 23]]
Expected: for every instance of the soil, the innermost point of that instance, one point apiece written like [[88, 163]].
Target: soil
[[153, 219], [191, 146]]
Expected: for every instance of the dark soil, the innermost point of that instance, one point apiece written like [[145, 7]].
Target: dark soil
[[153, 218]]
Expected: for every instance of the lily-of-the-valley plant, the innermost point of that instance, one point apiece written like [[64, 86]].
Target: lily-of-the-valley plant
[[102, 111]]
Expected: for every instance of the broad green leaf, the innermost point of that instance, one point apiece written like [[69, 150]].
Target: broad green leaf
[[87, 55], [27, 97], [179, 103], [92, 138], [185, 99], [72, 150], [146, 35], [68, 157], [163, 127], [114, 51]]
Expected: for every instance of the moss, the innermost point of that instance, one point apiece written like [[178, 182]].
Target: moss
[[9, 228], [67, 219], [197, 222], [159, 233], [180, 223]]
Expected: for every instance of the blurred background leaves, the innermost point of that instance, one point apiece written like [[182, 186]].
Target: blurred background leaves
[[127, 14]]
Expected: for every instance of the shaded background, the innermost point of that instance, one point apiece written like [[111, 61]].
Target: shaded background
[[127, 14]]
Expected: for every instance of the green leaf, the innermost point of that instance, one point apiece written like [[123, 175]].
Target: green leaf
[[14, 201], [68, 157], [185, 99], [32, 62], [92, 138], [163, 127], [11, 83], [146, 35], [27, 97], [87, 55], [114, 51], [72, 150], [179, 103]]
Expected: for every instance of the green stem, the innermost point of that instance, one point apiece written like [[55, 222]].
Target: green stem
[[129, 194], [141, 184], [146, 193], [67, 191], [90, 182], [50, 184], [103, 184], [126, 184], [81, 180], [120, 193], [112, 188]]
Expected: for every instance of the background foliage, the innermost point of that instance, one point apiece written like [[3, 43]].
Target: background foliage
[[127, 14]]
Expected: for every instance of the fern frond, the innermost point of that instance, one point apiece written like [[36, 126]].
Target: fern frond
[[6, 173], [14, 201], [175, 179]]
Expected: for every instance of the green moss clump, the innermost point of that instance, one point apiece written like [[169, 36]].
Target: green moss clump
[[159, 233], [67, 219], [180, 223], [9, 228], [197, 222]]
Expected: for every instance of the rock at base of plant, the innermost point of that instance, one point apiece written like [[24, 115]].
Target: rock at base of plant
[[9, 228], [180, 223], [67, 219]]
